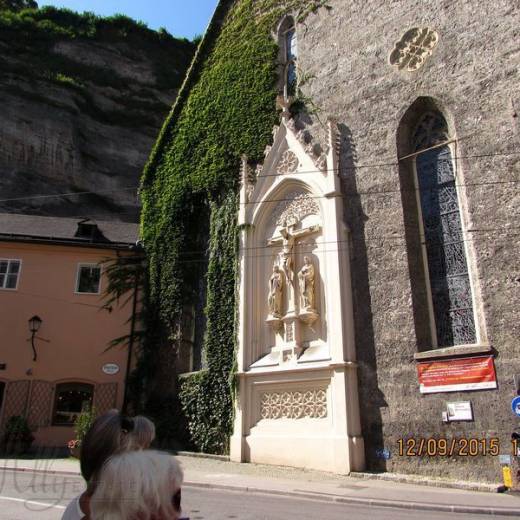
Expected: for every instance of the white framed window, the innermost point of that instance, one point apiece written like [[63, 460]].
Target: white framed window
[[88, 279], [288, 56], [9, 273]]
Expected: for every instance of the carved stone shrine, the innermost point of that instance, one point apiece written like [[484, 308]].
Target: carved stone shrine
[[298, 391]]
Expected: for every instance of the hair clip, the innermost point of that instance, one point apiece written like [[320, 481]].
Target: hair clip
[[127, 424]]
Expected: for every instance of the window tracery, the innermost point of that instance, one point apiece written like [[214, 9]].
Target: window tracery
[[412, 50]]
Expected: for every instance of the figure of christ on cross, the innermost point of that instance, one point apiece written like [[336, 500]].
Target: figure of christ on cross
[[287, 239]]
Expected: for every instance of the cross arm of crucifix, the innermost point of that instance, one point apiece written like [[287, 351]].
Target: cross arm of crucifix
[[286, 234], [306, 231]]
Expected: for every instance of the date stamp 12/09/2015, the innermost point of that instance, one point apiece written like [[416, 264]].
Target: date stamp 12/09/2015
[[456, 446]]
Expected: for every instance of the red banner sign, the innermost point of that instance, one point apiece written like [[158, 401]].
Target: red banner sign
[[476, 373]]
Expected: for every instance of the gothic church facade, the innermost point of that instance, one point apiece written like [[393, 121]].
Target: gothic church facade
[[378, 281]]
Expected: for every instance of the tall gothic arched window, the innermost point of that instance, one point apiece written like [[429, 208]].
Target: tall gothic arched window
[[445, 262], [291, 55], [289, 47]]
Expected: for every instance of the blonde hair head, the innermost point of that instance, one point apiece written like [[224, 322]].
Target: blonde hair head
[[142, 435], [137, 485]]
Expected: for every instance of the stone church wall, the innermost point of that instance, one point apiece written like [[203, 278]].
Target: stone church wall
[[471, 76]]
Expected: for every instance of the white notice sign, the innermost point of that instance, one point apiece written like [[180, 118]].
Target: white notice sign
[[460, 411], [110, 369]]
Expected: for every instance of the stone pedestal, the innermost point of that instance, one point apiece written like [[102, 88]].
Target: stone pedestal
[[274, 322], [291, 346], [308, 316], [291, 329]]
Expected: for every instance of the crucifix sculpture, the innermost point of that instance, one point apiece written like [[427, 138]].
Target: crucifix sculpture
[[287, 239]]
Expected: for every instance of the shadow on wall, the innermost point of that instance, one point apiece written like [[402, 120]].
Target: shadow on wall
[[370, 396], [321, 300]]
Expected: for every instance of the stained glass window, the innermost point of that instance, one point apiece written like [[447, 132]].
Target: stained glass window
[[291, 48], [291, 78], [444, 242], [291, 55]]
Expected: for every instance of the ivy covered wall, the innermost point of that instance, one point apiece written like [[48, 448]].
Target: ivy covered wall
[[226, 108]]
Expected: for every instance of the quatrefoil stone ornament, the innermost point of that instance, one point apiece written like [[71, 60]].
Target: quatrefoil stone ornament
[[412, 50], [288, 163], [311, 404]]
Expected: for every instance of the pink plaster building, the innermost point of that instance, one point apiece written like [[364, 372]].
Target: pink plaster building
[[54, 331]]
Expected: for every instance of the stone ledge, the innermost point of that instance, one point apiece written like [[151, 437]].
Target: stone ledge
[[459, 350], [199, 455], [421, 480]]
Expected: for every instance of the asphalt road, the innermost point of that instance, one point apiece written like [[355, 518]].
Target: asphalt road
[[27, 495]]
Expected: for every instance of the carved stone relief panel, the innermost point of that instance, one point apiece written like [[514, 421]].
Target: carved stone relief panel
[[297, 206], [310, 404], [412, 50], [288, 163]]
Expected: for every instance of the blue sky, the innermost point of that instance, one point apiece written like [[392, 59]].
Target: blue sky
[[180, 17]]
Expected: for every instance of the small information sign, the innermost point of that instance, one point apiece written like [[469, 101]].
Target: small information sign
[[505, 460], [110, 369], [460, 411], [515, 405], [383, 453]]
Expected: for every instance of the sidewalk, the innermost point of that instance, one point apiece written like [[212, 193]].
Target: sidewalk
[[255, 478]]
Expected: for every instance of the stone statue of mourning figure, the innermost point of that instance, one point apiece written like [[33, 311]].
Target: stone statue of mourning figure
[[276, 283], [306, 284], [306, 277]]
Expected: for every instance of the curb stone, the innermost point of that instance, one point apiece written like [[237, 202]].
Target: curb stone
[[372, 502], [420, 480]]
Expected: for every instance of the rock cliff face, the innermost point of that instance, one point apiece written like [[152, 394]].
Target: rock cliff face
[[80, 110]]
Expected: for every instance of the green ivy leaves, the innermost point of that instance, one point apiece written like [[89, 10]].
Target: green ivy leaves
[[192, 176]]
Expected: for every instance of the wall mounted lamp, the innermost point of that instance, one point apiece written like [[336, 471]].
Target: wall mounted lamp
[[34, 325]]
